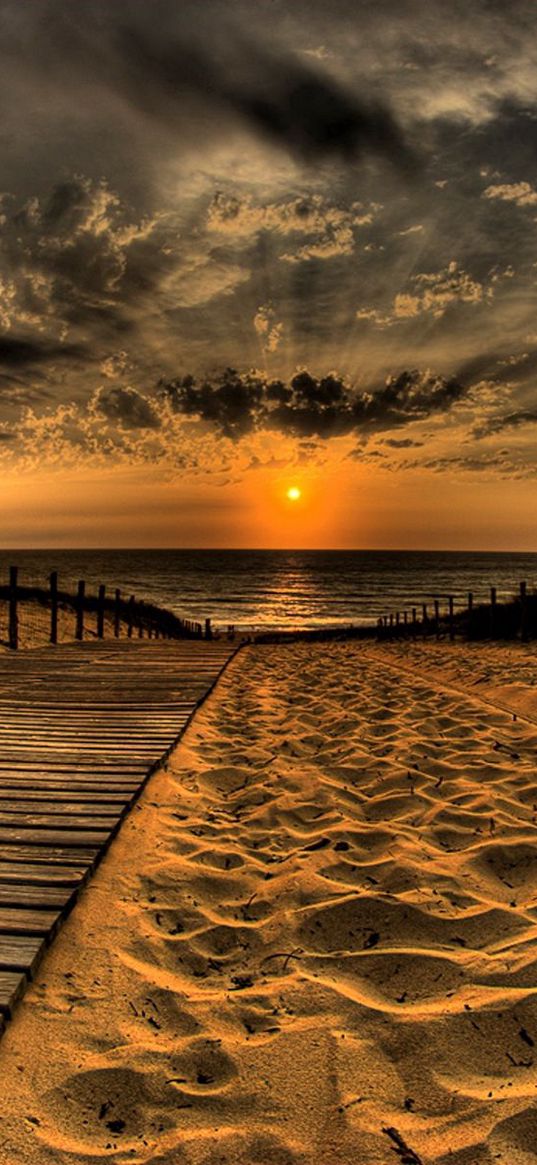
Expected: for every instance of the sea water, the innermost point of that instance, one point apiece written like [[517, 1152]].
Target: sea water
[[282, 588]]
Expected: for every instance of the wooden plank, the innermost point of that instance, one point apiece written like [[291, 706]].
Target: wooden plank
[[20, 952], [97, 731], [86, 705], [75, 839], [92, 821], [99, 767], [40, 875], [73, 789], [93, 732], [65, 755], [37, 897], [69, 779], [50, 856], [86, 768], [21, 733], [70, 714], [63, 801], [27, 922], [12, 985]]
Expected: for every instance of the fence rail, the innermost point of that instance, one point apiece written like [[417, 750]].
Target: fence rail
[[40, 612], [514, 618]]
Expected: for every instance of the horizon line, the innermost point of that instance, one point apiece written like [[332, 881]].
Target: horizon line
[[256, 550]]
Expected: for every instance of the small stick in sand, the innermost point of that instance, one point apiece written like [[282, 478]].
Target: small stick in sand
[[406, 1154], [285, 955]]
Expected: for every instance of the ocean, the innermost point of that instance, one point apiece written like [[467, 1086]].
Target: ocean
[[281, 588]]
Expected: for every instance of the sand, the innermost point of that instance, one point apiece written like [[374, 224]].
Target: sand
[[34, 626], [314, 941]]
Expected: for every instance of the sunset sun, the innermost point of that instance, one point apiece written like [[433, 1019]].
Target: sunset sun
[[294, 493]]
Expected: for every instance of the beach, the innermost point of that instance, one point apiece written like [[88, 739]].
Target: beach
[[314, 939]]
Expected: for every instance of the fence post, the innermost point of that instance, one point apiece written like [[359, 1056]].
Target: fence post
[[208, 629], [54, 607], [130, 616], [79, 633], [414, 614], [492, 610], [450, 616], [100, 612], [523, 613], [437, 617], [424, 617], [470, 603], [140, 619], [13, 616], [117, 614]]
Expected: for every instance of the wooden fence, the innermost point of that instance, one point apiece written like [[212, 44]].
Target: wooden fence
[[94, 615], [440, 617]]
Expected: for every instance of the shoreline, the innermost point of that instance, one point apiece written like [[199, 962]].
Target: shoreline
[[316, 925]]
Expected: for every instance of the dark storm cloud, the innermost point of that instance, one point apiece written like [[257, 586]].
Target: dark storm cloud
[[178, 66], [126, 406], [309, 406], [16, 352], [295, 104]]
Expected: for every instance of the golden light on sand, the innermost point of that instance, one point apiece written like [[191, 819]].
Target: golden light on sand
[[294, 493]]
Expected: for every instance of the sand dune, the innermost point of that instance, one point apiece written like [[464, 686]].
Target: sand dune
[[315, 940]]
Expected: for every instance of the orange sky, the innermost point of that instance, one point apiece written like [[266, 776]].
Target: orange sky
[[340, 508]]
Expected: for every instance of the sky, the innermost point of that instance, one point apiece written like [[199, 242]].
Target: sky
[[256, 244]]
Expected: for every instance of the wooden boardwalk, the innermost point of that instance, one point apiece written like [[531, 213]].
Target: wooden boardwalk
[[81, 728]]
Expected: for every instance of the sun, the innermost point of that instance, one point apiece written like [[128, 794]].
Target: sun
[[294, 493]]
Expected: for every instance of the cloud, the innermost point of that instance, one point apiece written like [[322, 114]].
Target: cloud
[[85, 283], [308, 406], [269, 331], [338, 241], [126, 406], [233, 402], [497, 424], [329, 229], [16, 352], [294, 103], [521, 193], [432, 293], [441, 288], [120, 429], [72, 256], [115, 366], [497, 464]]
